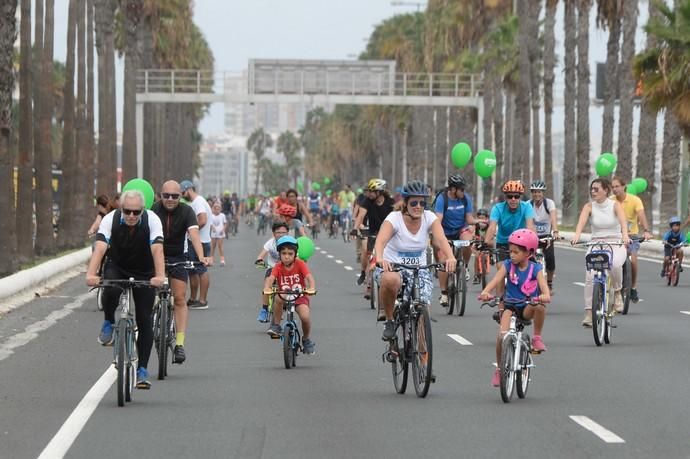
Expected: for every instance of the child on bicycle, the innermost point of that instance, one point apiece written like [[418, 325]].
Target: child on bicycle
[[672, 239], [525, 280], [268, 258], [480, 227], [291, 273]]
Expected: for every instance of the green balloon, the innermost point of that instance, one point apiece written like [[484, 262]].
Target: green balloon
[[631, 189], [605, 164], [142, 186], [305, 248], [360, 191], [640, 184], [460, 155], [485, 163], [328, 192], [315, 186], [326, 180]]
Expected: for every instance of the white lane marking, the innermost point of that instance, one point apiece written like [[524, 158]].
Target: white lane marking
[[687, 313], [323, 252], [63, 439], [317, 247], [460, 340], [329, 256], [581, 284], [340, 262], [597, 429], [349, 268], [31, 331]]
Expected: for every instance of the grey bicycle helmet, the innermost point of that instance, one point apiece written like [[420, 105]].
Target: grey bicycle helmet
[[456, 180], [675, 220], [415, 188], [482, 212], [538, 185]]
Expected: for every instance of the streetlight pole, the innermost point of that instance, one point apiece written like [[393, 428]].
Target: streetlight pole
[[401, 3]]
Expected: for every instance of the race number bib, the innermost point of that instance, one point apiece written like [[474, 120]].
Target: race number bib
[[541, 227], [410, 258]]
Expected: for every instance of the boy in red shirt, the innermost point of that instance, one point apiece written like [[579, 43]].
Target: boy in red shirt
[[291, 274]]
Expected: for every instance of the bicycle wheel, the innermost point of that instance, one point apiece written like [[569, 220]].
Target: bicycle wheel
[[598, 311], [523, 373], [288, 350], [506, 367], [99, 299], [120, 359], [160, 327], [422, 352], [451, 288], [461, 290], [675, 275], [398, 358], [131, 370], [627, 283], [374, 294]]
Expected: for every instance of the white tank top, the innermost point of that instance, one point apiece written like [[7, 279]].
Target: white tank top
[[604, 220], [404, 247]]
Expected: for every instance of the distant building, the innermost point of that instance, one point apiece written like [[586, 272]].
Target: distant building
[[224, 166]]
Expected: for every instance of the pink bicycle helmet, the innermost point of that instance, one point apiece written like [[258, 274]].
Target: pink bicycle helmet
[[524, 238]]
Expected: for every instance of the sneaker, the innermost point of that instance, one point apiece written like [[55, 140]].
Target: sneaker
[[680, 268], [618, 301], [476, 280], [496, 378], [106, 335], [360, 279], [388, 330], [537, 344], [274, 331], [663, 272], [178, 355], [443, 299], [143, 379], [199, 305], [222, 262], [587, 321], [263, 316], [308, 346], [634, 297], [191, 302]]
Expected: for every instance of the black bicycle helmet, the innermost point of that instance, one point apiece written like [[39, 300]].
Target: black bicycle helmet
[[415, 188], [456, 180], [538, 185]]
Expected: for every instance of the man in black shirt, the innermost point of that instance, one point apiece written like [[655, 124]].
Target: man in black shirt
[[178, 219], [133, 237]]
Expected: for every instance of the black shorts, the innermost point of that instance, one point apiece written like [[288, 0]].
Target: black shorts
[[503, 252], [177, 272], [519, 312], [371, 242], [549, 257]]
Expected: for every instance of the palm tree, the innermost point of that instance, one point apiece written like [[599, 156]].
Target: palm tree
[[534, 52], [583, 147], [646, 138], [288, 144], [627, 91], [608, 15], [257, 143], [25, 157], [90, 141], [133, 11], [45, 240], [82, 195], [549, 77], [8, 33], [569, 183]]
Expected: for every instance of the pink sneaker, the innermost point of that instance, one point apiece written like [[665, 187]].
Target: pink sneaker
[[496, 379], [538, 344]]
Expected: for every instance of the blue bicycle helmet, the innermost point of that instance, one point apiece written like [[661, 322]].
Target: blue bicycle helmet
[[287, 241], [675, 220], [415, 188]]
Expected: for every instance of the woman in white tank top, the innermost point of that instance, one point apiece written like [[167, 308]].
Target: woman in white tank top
[[403, 238], [608, 223]]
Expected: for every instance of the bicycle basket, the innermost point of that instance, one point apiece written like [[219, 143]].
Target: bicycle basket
[[598, 261]]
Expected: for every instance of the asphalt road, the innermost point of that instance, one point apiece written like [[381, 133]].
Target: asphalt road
[[234, 399]]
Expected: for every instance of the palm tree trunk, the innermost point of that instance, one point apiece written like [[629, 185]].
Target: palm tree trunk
[[403, 153], [510, 122], [549, 77], [45, 240], [498, 116], [610, 83], [569, 183], [521, 148], [70, 171], [487, 124], [627, 91], [670, 167], [37, 62], [133, 15], [24, 222], [90, 118], [8, 33], [583, 147], [82, 195], [105, 46], [534, 58]]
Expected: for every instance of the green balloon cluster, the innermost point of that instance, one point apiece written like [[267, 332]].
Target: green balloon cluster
[[640, 184], [326, 181], [485, 163], [605, 164], [460, 155], [315, 186], [141, 185], [305, 248]]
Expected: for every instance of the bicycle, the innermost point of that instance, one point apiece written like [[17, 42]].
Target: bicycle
[[457, 281], [125, 356], [262, 224], [315, 229], [263, 266], [627, 277], [483, 259], [673, 266], [345, 223], [291, 337], [599, 260], [516, 353], [412, 342], [544, 242]]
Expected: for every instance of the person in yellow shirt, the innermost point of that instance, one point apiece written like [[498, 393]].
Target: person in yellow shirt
[[635, 216], [346, 198]]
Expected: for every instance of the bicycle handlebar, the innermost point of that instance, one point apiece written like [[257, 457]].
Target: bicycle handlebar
[[495, 301], [400, 266], [188, 264], [123, 283]]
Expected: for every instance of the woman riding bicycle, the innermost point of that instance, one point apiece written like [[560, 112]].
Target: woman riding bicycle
[[608, 224], [403, 238]]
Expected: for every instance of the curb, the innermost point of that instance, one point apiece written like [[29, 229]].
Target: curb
[[28, 278]]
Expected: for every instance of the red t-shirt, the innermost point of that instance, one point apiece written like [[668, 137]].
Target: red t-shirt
[[293, 278]]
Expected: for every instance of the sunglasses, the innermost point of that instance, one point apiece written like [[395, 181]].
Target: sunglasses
[[418, 202], [173, 196], [131, 211], [512, 196]]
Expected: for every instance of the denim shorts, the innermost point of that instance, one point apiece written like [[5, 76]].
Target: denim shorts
[[425, 282], [634, 246], [206, 246]]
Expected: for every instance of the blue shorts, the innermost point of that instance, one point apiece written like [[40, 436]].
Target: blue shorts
[[634, 246], [177, 272], [191, 254], [425, 282]]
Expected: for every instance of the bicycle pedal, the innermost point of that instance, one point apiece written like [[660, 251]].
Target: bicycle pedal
[[433, 378], [533, 352], [275, 336]]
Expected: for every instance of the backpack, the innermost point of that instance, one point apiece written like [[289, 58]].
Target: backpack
[[445, 201], [546, 207]]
